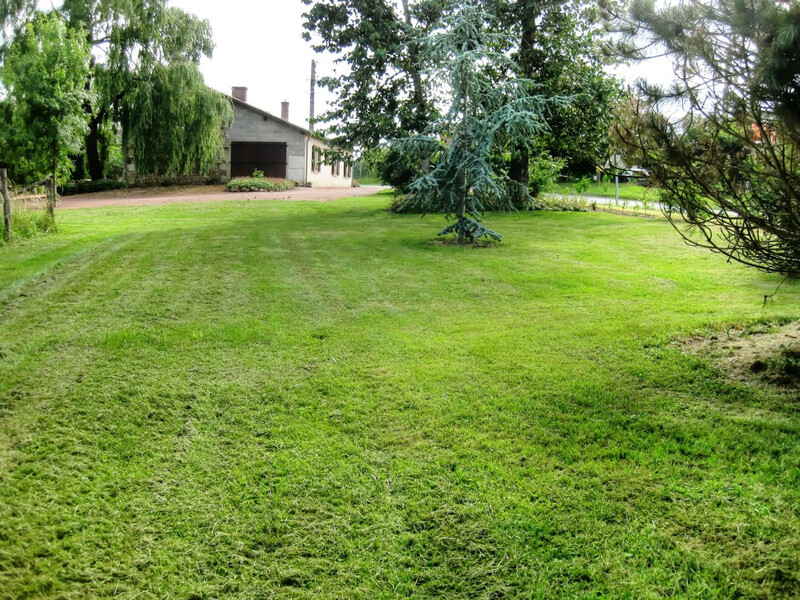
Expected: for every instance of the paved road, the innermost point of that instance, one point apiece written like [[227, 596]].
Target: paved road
[[155, 196]]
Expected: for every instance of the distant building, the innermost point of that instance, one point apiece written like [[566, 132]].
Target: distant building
[[615, 166], [762, 133], [258, 140]]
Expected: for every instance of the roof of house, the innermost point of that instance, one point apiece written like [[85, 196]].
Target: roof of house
[[268, 115]]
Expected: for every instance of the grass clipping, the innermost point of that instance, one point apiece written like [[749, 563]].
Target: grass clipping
[[765, 353]]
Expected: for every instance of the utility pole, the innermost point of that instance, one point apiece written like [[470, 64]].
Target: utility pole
[[313, 95]]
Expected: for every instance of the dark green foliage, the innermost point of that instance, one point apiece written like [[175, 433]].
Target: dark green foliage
[[397, 168], [556, 44], [730, 166], [469, 230], [90, 187], [386, 91], [149, 181], [399, 206], [260, 184], [383, 92], [151, 55]]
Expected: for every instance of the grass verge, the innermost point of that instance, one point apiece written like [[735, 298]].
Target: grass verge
[[627, 191]]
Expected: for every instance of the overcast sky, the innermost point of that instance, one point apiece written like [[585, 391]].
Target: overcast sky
[[259, 46]]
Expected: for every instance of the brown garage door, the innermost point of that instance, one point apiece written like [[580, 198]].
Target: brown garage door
[[247, 157]]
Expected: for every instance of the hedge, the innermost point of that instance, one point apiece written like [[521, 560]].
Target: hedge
[[260, 184]]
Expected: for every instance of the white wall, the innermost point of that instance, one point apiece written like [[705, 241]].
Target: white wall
[[325, 179]]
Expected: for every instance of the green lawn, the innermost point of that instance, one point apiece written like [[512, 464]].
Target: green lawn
[[370, 180], [295, 400], [627, 191]]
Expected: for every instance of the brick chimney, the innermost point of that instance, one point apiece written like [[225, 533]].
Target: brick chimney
[[285, 111], [240, 93]]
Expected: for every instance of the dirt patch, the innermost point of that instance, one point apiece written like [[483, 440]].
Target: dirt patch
[[763, 353]]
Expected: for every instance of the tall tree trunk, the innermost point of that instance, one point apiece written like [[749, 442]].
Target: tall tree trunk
[[519, 169], [420, 107], [416, 76], [94, 161]]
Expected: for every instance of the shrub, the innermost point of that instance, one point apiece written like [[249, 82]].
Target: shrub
[[561, 204], [114, 167], [399, 206], [28, 222], [146, 181], [544, 169], [582, 185], [260, 184], [397, 168], [89, 187]]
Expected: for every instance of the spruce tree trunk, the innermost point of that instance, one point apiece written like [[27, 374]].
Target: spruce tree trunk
[[462, 177], [519, 169], [462, 210], [93, 160]]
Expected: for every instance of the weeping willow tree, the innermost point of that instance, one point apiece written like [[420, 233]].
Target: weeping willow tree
[[174, 122], [138, 47], [491, 111]]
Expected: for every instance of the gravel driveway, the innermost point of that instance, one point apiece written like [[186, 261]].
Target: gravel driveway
[[151, 196]]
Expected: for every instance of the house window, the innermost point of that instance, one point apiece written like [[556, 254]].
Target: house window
[[316, 159], [348, 171], [336, 168]]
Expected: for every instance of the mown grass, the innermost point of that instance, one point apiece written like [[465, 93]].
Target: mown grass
[[296, 400], [627, 191], [370, 180]]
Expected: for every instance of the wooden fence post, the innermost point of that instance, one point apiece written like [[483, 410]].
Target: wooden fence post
[[6, 204], [51, 197]]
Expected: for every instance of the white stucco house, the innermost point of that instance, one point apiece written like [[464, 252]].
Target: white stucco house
[[258, 140]]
